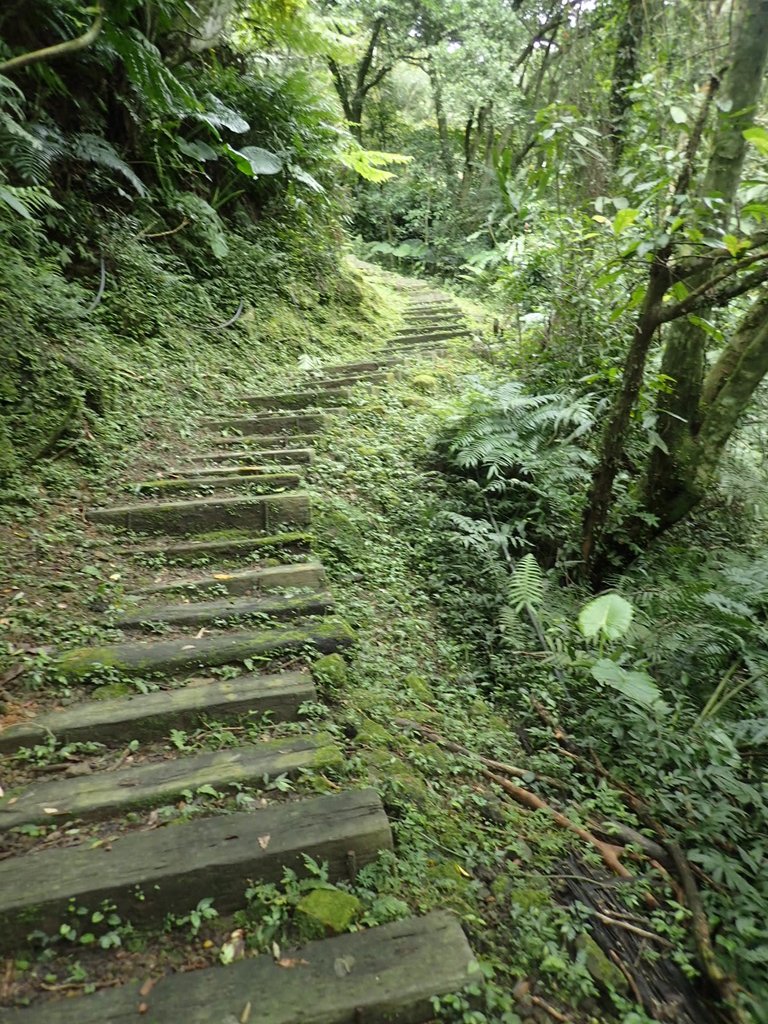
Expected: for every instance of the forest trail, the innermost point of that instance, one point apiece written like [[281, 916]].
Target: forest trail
[[273, 617]]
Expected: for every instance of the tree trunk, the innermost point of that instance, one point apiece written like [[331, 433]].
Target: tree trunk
[[624, 73], [446, 151], [680, 413]]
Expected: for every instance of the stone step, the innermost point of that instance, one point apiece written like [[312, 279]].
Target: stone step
[[232, 609], [407, 339], [267, 424], [173, 868], [191, 653], [224, 544], [252, 478], [271, 577], [151, 716], [377, 976], [299, 399], [111, 794], [343, 370], [246, 456], [442, 311], [203, 514]]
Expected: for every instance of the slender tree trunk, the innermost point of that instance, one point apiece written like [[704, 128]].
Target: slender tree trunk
[[446, 151]]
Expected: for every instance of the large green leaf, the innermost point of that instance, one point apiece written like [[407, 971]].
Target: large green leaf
[[255, 161], [637, 687], [609, 615], [758, 137]]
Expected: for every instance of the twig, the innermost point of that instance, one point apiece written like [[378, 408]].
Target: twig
[[57, 50], [547, 1008], [615, 922], [165, 234], [628, 975]]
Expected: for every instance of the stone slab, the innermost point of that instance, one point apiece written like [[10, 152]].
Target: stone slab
[[235, 545], [290, 424], [256, 479], [299, 399]]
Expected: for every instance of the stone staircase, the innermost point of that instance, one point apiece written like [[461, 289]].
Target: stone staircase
[[239, 497]]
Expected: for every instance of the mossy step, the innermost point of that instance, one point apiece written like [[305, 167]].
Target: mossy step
[[376, 976], [343, 369], [246, 457], [259, 512], [201, 613], [269, 441], [149, 874], [151, 715], [271, 577], [111, 794], [165, 657], [269, 424], [251, 478], [440, 335], [299, 399], [354, 378], [225, 544]]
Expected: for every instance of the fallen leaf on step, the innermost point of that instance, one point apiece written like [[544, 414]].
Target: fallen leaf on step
[[222, 575], [264, 841], [143, 1007], [245, 1015], [291, 961], [188, 647], [51, 810], [201, 633], [343, 965], [275, 951], [147, 987]]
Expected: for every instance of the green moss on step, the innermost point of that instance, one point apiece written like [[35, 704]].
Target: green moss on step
[[330, 910], [216, 535], [330, 672], [112, 690], [372, 734], [85, 661]]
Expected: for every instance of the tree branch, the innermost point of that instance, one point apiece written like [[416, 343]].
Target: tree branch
[[57, 50], [692, 300]]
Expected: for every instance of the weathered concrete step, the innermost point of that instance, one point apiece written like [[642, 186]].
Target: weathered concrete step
[[423, 314], [175, 867], [406, 339], [251, 478], [165, 657], [150, 716], [271, 577], [431, 326], [247, 456], [225, 544], [268, 424], [260, 512], [318, 398], [201, 613], [377, 976], [111, 794], [378, 363]]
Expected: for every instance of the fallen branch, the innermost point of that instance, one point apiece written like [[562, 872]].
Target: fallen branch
[[608, 852], [457, 748], [57, 50], [616, 922], [725, 985]]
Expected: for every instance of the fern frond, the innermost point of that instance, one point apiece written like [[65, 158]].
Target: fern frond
[[526, 584]]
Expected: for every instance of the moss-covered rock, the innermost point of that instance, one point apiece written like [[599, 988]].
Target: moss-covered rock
[[330, 909], [418, 686], [373, 734]]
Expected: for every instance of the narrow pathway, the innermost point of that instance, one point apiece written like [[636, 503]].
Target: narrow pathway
[[183, 629]]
